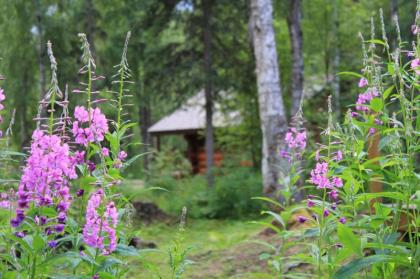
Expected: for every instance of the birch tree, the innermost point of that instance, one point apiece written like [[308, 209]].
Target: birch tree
[[208, 91], [272, 114], [295, 32]]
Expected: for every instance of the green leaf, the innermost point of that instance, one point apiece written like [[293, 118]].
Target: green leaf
[[38, 243], [125, 250], [357, 265], [370, 196], [106, 275], [276, 216], [381, 210], [268, 200], [391, 68], [376, 41], [349, 239], [350, 74], [376, 104], [387, 140], [387, 92], [12, 153]]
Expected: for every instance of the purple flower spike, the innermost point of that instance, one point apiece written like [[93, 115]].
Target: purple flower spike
[[48, 231], [91, 166], [52, 244], [20, 234], [302, 219], [310, 203], [80, 192], [14, 222], [326, 212], [42, 220], [342, 220], [59, 228]]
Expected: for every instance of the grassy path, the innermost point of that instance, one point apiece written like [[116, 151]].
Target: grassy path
[[219, 249]]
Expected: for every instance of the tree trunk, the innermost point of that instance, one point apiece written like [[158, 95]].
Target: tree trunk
[[41, 57], [144, 119], [335, 82], [295, 32], [394, 16], [272, 114], [90, 24], [144, 112], [208, 91]]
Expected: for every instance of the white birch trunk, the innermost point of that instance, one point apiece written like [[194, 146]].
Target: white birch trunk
[[272, 114]]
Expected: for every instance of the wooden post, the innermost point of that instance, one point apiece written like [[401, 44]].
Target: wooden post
[[158, 142]]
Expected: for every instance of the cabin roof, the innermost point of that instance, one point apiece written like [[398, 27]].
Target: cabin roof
[[191, 117]]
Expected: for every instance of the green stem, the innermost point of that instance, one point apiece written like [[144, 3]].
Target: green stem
[[33, 273]]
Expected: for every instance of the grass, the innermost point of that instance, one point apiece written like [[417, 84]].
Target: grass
[[219, 248]]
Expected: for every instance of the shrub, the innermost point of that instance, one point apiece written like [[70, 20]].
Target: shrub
[[233, 193], [229, 198]]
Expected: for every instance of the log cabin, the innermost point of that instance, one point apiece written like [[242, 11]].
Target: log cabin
[[189, 121]]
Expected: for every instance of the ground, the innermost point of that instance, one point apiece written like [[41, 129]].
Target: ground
[[219, 249]]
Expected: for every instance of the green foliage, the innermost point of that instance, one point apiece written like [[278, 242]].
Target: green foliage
[[231, 196], [166, 164], [233, 193]]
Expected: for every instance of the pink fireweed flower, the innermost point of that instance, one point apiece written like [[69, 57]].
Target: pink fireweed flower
[[371, 131], [363, 82], [4, 200], [96, 122], [364, 99], [79, 157], [122, 155], [284, 154], [105, 151], [2, 98], [378, 122], [333, 195], [415, 29], [319, 176], [46, 176], [296, 139], [100, 231], [415, 65], [338, 156], [337, 181]]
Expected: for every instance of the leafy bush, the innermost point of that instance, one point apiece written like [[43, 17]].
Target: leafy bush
[[169, 163], [229, 198], [232, 194]]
